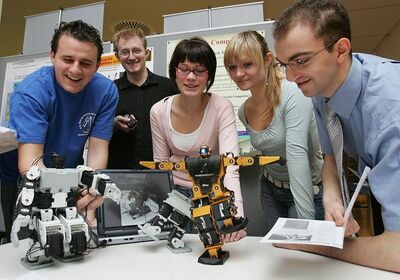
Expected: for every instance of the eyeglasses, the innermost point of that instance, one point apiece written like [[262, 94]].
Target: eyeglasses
[[126, 53], [197, 71], [297, 64]]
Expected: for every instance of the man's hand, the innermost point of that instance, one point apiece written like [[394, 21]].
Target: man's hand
[[87, 204], [334, 211], [121, 123], [234, 236]]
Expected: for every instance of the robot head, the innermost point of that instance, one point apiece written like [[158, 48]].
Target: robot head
[[204, 151]]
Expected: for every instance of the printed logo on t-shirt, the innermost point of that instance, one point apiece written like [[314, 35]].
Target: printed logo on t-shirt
[[85, 123]]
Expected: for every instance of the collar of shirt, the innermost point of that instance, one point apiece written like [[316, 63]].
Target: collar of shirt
[[345, 98], [150, 80]]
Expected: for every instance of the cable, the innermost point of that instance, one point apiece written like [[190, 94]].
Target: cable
[[100, 244], [36, 161], [75, 195]]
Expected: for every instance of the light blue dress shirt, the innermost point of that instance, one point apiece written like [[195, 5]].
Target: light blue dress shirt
[[368, 106]]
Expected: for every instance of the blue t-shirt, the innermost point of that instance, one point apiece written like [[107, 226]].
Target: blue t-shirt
[[368, 106], [42, 112]]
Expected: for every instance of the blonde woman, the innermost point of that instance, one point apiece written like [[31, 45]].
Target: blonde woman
[[280, 121]]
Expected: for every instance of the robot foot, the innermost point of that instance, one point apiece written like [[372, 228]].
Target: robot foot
[[149, 230], [40, 263], [206, 259], [185, 249], [70, 259], [238, 224]]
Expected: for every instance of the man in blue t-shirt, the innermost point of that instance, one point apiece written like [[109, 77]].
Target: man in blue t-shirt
[[58, 108], [313, 43]]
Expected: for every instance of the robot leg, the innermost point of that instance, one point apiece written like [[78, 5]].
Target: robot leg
[[48, 242], [76, 235], [209, 235], [36, 258], [175, 243], [176, 210]]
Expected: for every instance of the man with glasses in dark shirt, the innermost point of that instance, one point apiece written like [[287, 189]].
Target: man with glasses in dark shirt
[[139, 89]]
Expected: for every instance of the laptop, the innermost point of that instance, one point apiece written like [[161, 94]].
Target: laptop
[[142, 193]]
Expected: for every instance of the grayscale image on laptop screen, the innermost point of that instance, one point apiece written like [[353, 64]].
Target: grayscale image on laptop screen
[[142, 193]]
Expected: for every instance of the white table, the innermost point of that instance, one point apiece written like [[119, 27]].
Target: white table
[[249, 259]]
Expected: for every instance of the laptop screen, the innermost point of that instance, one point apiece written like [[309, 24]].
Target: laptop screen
[[142, 193]]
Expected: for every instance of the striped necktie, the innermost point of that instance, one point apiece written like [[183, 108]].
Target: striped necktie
[[336, 136]]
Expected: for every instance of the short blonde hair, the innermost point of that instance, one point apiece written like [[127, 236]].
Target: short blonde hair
[[128, 33]]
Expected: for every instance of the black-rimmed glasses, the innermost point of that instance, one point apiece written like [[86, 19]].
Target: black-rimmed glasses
[[197, 71]]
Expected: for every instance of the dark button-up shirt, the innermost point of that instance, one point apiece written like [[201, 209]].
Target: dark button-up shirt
[[128, 148]]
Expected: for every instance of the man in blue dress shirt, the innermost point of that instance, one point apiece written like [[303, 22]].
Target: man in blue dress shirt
[[313, 43]]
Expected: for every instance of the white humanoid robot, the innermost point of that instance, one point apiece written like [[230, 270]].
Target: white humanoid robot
[[176, 209], [46, 206]]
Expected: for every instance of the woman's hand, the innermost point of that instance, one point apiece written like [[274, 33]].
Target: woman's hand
[[234, 236]]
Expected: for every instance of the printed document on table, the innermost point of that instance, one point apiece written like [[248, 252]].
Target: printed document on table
[[313, 232]]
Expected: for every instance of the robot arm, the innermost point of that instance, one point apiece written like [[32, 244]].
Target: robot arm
[[23, 207], [98, 183], [22, 220], [248, 161]]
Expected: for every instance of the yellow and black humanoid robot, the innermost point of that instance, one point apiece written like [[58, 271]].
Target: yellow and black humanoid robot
[[213, 208]]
